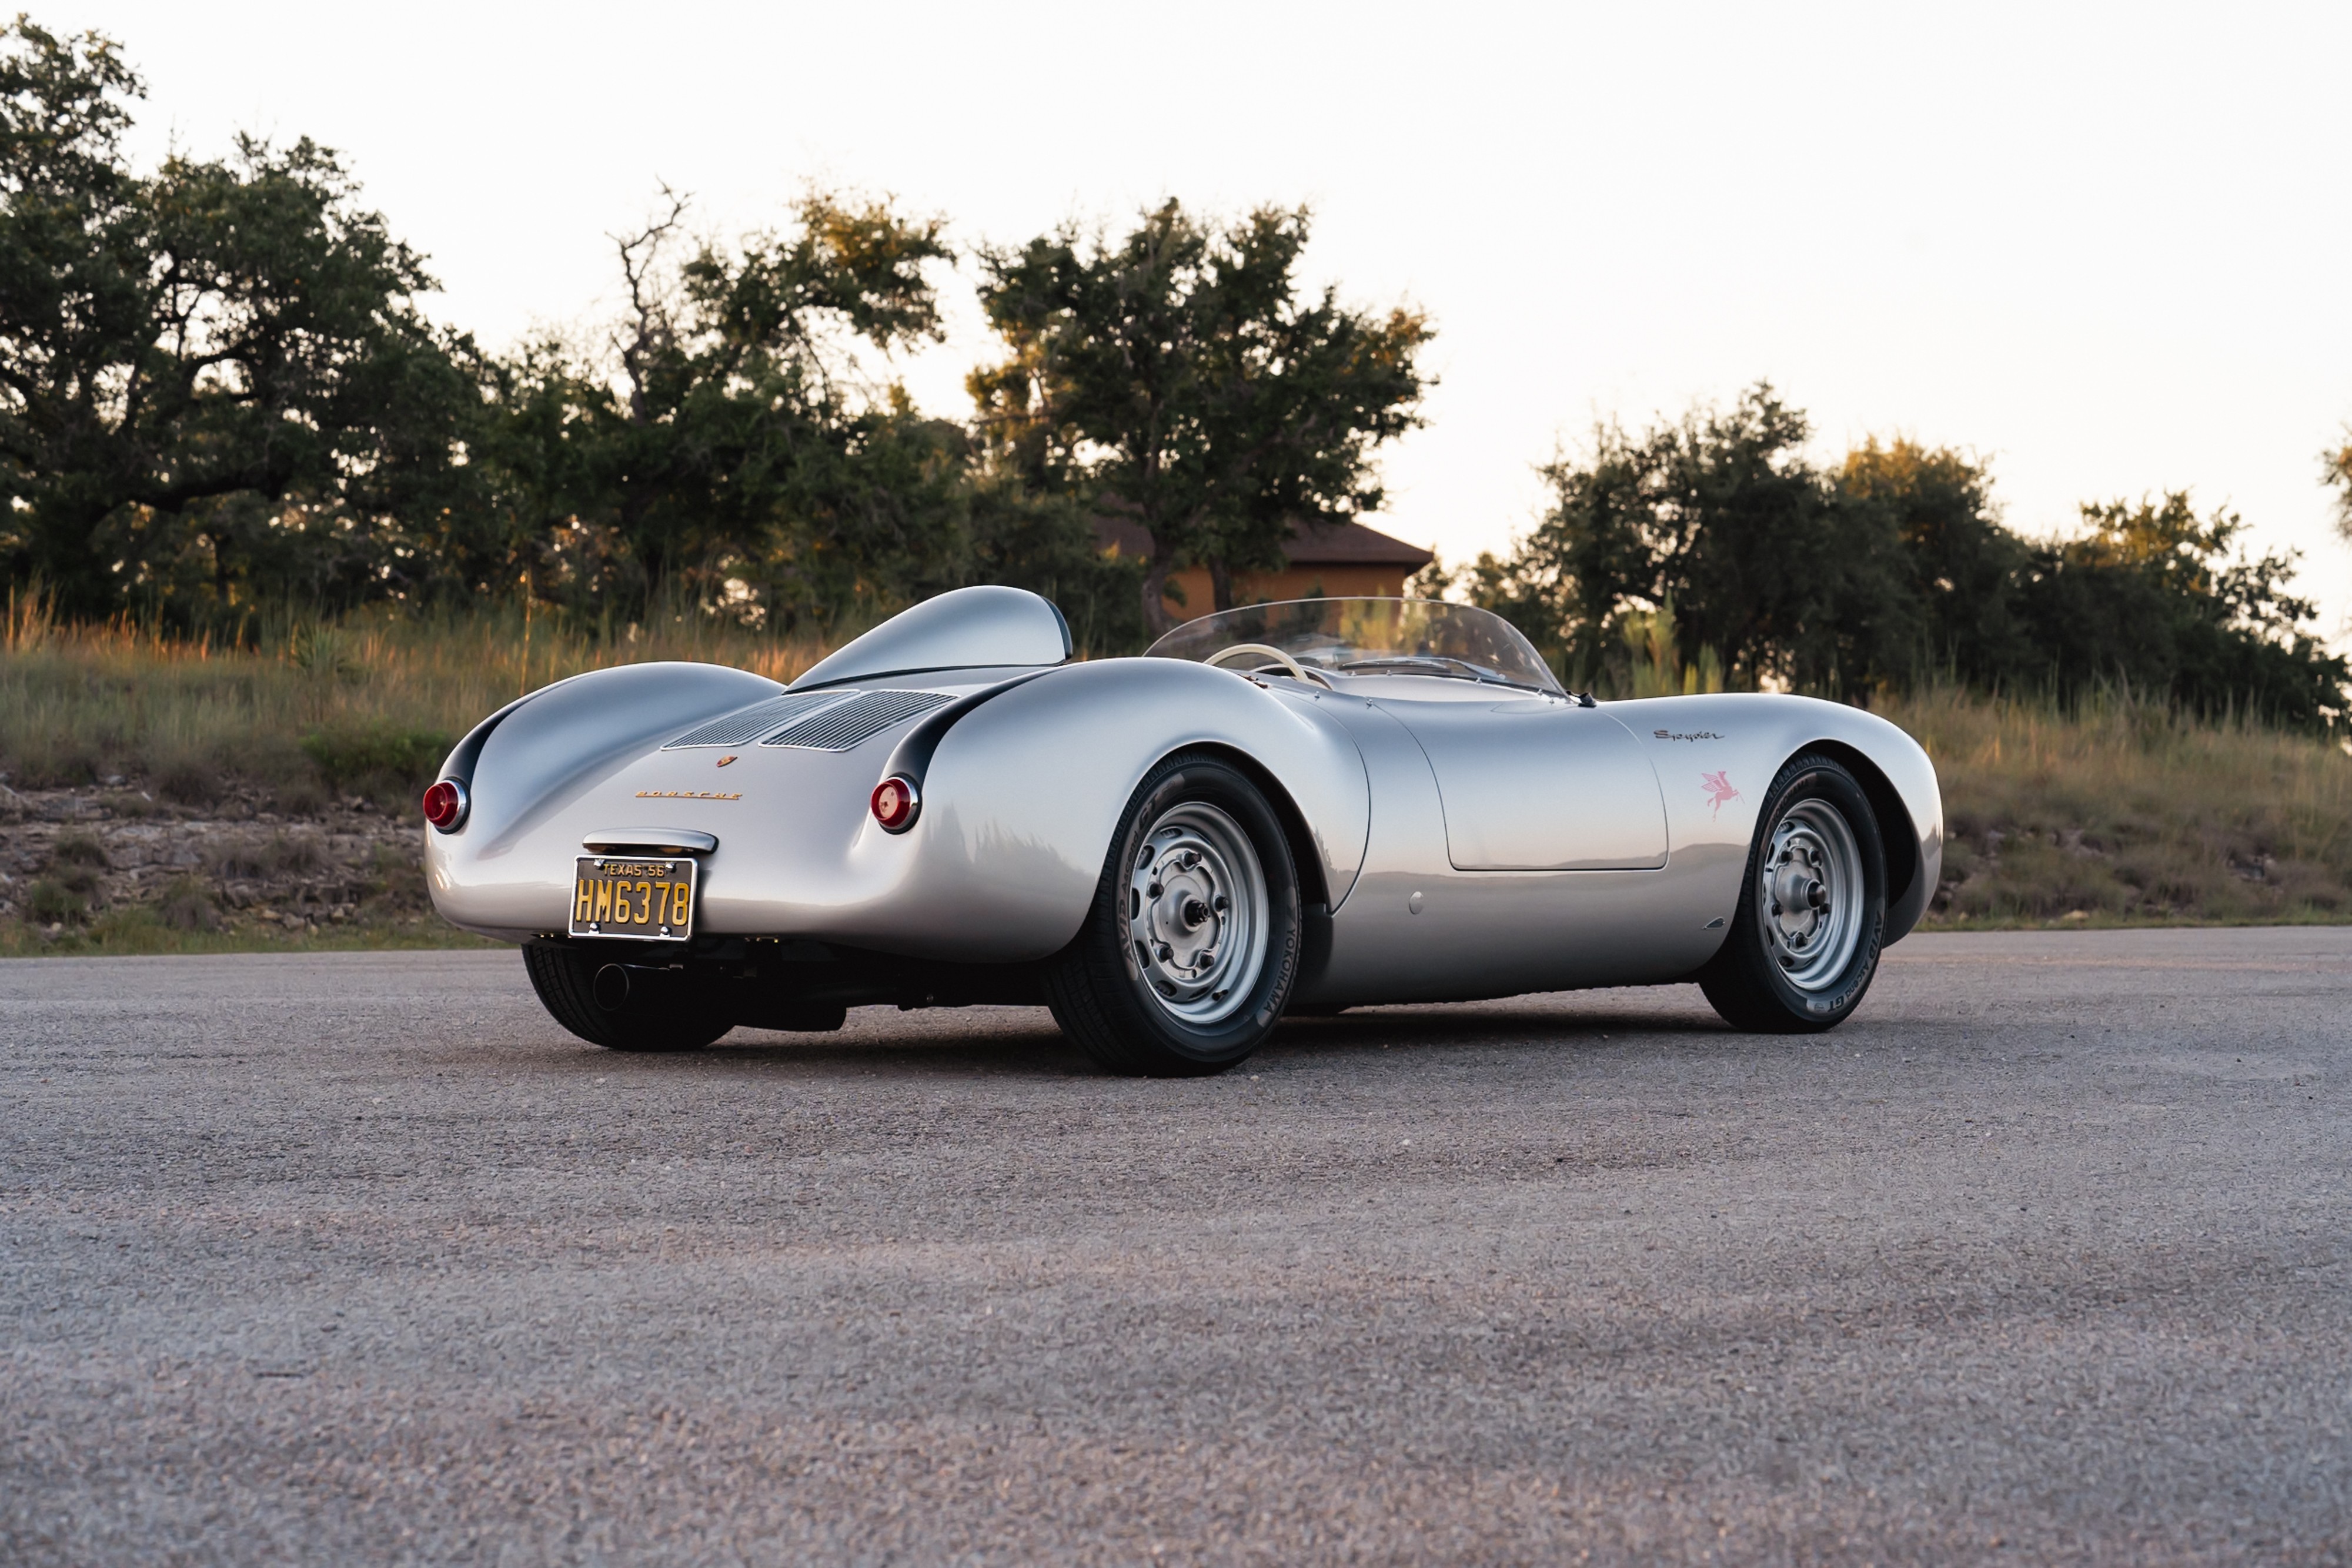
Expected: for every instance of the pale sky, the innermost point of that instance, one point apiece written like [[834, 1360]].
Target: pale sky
[[2102, 247]]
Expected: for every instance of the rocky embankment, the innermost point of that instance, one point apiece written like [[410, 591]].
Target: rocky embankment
[[71, 858]]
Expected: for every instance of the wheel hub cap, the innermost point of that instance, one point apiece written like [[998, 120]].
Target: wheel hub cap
[[1812, 891], [1197, 914]]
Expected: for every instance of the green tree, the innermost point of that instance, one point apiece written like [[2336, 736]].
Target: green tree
[[1766, 564], [2155, 598], [202, 368], [1957, 566], [1716, 533], [1182, 377], [730, 435]]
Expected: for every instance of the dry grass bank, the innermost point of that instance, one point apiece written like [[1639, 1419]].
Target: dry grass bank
[[314, 710], [166, 795], [2127, 812], [138, 773]]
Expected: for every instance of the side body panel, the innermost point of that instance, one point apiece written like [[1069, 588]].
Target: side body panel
[[1540, 784], [1415, 928]]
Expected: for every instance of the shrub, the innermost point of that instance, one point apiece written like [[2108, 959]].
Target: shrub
[[299, 797], [77, 849], [52, 902], [398, 877], [377, 755], [251, 858], [187, 781], [188, 905]]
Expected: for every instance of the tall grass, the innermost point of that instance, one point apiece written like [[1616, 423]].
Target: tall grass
[[81, 703], [2119, 809]]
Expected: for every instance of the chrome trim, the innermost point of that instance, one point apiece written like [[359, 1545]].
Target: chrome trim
[[465, 805], [845, 726], [914, 803], [748, 724], [649, 842]]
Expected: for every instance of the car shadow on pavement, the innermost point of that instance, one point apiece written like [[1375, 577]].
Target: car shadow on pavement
[[1024, 1042], [1484, 1026], [948, 1042]]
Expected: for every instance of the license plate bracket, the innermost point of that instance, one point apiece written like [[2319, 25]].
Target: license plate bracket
[[639, 898]]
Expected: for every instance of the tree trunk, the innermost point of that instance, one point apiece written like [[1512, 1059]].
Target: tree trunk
[[1220, 584], [1156, 619], [220, 562]]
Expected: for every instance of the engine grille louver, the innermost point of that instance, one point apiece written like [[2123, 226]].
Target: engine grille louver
[[747, 724], [839, 729]]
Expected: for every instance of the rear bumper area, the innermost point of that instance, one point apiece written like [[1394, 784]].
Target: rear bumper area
[[781, 980]]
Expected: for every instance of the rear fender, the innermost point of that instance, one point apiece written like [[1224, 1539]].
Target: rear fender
[[1022, 797], [533, 756]]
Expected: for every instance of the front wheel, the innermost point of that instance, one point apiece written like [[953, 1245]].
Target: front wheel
[[1803, 945], [1191, 944]]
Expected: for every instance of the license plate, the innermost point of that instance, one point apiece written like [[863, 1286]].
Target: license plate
[[616, 896]]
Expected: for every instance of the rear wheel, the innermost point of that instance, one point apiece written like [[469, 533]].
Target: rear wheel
[[1192, 944], [624, 1006], [1803, 945]]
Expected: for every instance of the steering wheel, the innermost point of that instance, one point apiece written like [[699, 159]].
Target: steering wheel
[[1259, 650]]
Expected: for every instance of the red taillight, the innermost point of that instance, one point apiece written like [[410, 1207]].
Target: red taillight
[[444, 804], [895, 803]]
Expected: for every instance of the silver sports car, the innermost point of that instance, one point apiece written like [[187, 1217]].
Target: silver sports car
[[1289, 808]]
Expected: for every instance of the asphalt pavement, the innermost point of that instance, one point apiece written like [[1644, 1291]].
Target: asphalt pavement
[[2044, 1256]]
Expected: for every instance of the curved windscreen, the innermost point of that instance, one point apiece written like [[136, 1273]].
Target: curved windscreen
[[1370, 637]]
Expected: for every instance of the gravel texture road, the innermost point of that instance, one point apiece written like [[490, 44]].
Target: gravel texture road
[[359, 1259]]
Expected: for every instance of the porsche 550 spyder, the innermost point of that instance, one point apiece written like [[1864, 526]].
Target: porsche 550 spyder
[[1297, 807]]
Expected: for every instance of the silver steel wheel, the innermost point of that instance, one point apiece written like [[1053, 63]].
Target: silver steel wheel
[[1197, 914], [1809, 894]]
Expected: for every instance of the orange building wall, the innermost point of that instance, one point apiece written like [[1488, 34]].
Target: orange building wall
[[1295, 582]]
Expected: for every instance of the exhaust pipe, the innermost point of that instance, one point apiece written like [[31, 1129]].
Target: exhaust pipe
[[632, 985]]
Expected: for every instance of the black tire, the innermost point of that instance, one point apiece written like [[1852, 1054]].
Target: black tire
[[1749, 981], [660, 1010], [1101, 987]]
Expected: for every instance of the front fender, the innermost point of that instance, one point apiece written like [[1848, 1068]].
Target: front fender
[[1716, 755]]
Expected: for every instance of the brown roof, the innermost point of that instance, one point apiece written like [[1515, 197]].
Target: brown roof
[[1311, 544]]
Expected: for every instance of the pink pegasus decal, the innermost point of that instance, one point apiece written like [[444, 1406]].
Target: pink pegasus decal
[[1718, 790]]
